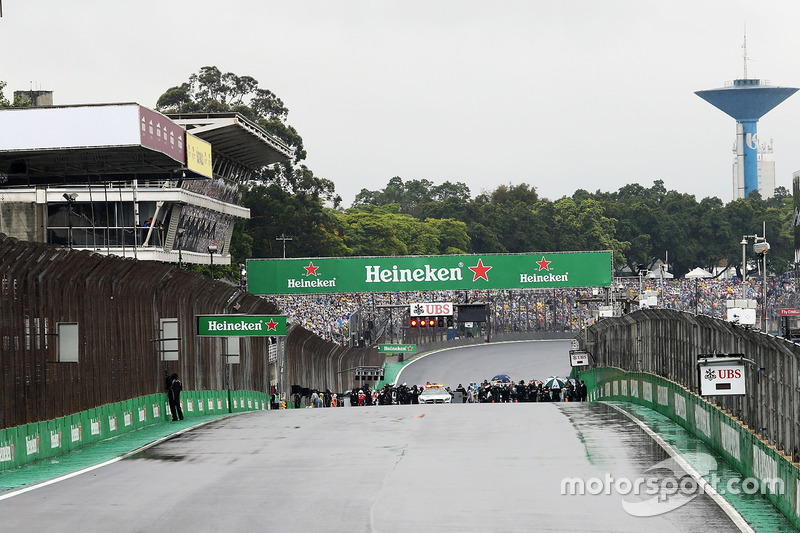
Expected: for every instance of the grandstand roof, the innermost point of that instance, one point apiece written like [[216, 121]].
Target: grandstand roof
[[64, 144], [233, 136], [115, 142]]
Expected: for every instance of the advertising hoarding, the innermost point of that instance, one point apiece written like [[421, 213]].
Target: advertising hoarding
[[241, 326], [415, 273], [722, 380], [55, 128], [578, 358], [198, 156], [397, 348], [159, 133], [431, 309]]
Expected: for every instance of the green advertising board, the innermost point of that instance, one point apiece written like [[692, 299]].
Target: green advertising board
[[397, 348], [241, 326], [429, 272]]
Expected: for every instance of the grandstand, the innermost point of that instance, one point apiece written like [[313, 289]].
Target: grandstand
[[121, 179]]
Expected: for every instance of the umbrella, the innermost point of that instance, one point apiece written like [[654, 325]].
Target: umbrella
[[501, 378], [699, 273], [555, 382]]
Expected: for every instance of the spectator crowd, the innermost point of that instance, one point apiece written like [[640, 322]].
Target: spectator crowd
[[331, 316], [485, 392]]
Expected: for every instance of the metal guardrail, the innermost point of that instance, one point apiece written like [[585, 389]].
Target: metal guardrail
[[667, 343]]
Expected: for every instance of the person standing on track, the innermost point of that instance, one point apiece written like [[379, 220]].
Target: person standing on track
[[174, 388]]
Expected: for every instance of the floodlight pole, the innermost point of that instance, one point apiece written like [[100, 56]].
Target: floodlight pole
[[764, 276], [283, 238], [744, 263], [760, 247]]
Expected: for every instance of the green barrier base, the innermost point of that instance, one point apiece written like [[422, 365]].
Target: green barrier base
[[22, 445]]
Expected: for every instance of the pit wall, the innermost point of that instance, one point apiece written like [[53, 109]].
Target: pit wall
[[25, 444], [743, 449]]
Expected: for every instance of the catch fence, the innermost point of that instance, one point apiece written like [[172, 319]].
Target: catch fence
[[118, 304], [667, 343]]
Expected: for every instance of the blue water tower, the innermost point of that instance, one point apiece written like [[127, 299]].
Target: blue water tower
[[747, 100]]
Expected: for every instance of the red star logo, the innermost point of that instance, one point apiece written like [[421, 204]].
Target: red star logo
[[480, 271], [271, 325], [311, 270], [544, 264]]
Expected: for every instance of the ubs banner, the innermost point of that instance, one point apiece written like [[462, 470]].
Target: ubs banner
[[423, 273]]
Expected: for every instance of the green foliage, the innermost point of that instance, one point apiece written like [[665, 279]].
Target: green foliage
[[416, 196], [3, 100], [370, 230], [212, 91], [315, 231], [18, 102], [639, 224]]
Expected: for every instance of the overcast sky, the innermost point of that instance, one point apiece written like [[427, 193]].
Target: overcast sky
[[563, 95]]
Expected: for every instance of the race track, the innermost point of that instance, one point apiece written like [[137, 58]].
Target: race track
[[465, 467]]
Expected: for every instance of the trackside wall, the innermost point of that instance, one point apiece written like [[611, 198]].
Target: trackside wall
[[27, 443], [118, 305], [667, 343], [315, 363], [726, 435]]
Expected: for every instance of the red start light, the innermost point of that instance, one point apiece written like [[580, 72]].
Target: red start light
[[431, 322], [414, 322]]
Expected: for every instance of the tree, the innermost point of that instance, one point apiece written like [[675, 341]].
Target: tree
[[212, 91], [414, 196], [18, 102], [383, 230], [285, 197], [3, 100], [512, 194], [315, 230]]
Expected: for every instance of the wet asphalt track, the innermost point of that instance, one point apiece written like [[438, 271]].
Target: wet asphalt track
[[486, 467]]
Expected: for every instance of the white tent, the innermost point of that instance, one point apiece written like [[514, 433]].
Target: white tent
[[699, 273], [659, 274]]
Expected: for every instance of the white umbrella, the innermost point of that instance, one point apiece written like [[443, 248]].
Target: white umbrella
[[699, 273]]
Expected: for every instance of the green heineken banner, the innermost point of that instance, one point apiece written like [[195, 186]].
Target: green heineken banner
[[397, 348], [430, 272], [241, 326]]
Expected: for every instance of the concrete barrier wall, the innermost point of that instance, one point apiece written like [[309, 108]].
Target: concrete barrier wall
[[27, 443], [721, 431], [315, 363]]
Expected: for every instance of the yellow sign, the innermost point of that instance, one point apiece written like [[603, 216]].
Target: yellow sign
[[198, 156]]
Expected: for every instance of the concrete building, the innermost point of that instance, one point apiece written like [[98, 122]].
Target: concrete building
[[36, 98], [766, 172]]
